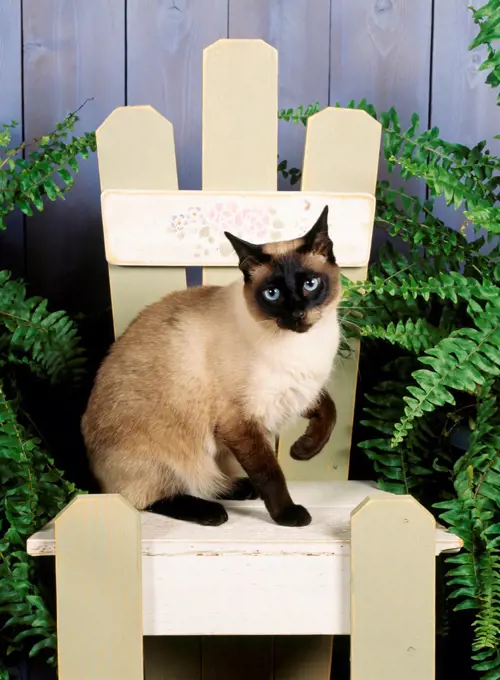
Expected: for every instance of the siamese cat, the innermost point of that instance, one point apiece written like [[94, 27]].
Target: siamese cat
[[189, 397]]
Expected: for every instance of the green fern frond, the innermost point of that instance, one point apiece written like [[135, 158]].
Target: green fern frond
[[47, 344], [31, 498], [413, 220], [487, 18], [464, 361], [450, 286], [474, 576], [401, 469], [414, 336], [46, 341]]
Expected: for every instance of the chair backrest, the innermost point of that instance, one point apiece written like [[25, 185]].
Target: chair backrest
[[153, 231]]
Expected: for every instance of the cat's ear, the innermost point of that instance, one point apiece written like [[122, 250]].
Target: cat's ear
[[317, 239], [250, 255]]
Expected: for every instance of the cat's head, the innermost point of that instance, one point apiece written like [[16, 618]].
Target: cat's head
[[292, 283]]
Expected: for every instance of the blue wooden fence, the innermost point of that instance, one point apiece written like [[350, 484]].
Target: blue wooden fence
[[54, 54]]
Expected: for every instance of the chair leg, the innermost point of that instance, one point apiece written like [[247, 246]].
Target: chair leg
[[99, 595], [392, 590]]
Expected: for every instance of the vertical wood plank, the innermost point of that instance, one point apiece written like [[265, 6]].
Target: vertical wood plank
[[239, 125], [240, 103], [220, 276], [341, 154], [458, 86], [353, 142], [11, 240], [165, 42], [135, 148], [300, 31], [73, 50], [133, 288], [240, 84], [99, 592], [392, 590], [380, 50]]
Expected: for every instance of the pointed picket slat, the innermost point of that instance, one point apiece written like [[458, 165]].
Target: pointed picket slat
[[393, 567], [240, 132], [342, 151], [341, 154], [136, 150], [240, 147], [99, 591], [240, 125]]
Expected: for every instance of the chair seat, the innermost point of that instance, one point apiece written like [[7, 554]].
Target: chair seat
[[251, 576]]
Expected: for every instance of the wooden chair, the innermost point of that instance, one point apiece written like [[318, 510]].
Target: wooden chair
[[249, 599]]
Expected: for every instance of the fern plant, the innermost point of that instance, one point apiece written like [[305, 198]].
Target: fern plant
[[438, 310], [44, 344]]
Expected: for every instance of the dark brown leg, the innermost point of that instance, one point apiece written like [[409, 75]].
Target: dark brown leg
[[322, 418], [255, 454], [242, 490], [191, 509]]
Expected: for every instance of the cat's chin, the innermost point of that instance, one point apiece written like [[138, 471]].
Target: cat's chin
[[303, 328]]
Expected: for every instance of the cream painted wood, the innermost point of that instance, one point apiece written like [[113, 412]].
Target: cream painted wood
[[342, 151], [300, 32], [172, 658], [207, 580], [133, 288], [240, 106], [136, 150], [220, 276], [341, 154], [240, 146], [98, 576], [151, 228], [332, 150], [355, 274], [332, 463], [393, 545]]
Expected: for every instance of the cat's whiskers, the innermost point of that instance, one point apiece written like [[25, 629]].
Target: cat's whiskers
[[266, 335]]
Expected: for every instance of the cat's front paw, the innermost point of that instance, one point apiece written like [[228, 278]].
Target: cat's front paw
[[293, 516], [305, 448]]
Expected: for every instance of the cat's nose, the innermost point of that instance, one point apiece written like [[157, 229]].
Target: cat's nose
[[298, 314]]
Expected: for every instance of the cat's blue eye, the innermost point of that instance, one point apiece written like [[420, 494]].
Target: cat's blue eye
[[311, 284], [271, 294]]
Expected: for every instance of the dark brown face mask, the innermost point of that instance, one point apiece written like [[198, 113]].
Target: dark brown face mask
[[290, 282]]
